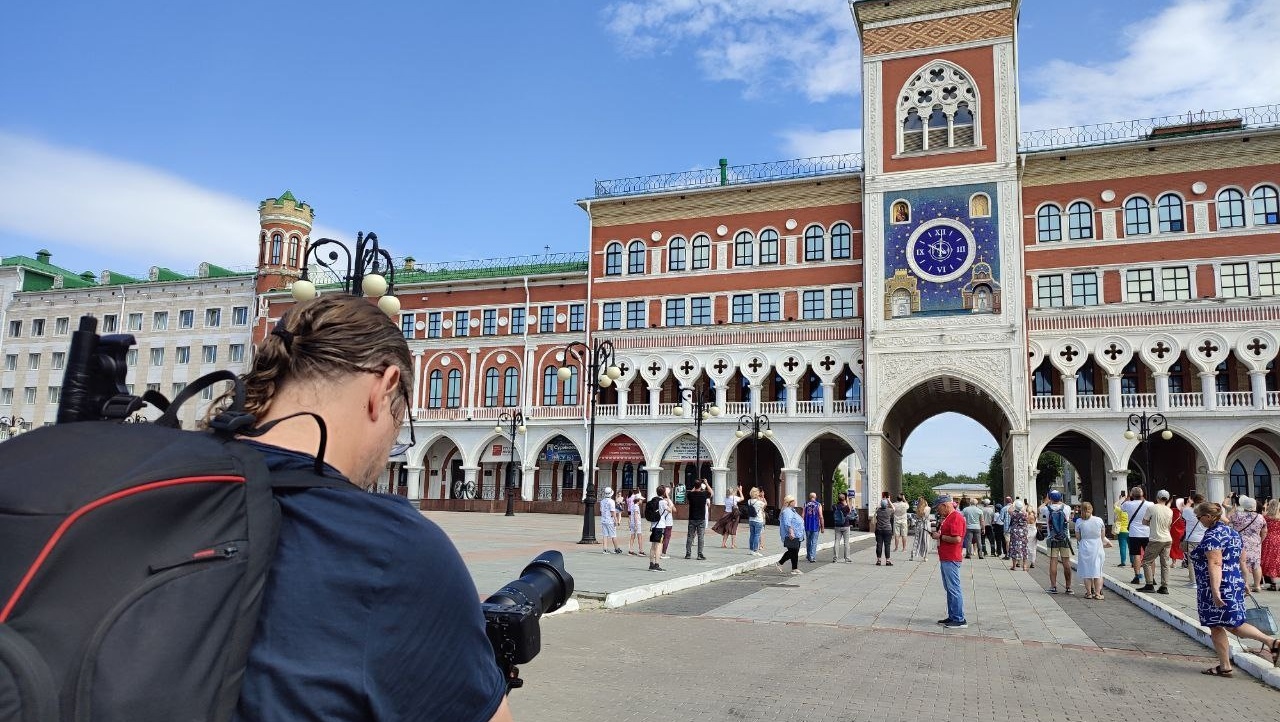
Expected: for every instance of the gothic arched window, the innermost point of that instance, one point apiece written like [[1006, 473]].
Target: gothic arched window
[[936, 110]]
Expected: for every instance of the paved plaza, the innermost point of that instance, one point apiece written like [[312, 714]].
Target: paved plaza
[[1009, 612]]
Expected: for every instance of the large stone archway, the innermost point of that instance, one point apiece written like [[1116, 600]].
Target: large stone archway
[[941, 393]]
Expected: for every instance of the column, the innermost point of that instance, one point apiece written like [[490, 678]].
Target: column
[[469, 400], [655, 473], [1162, 390], [1258, 385], [622, 401], [417, 387], [1117, 481], [529, 374], [791, 483], [719, 483], [1209, 390], [655, 397], [722, 396], [755, 398], [828, 398], [415, 482], [1069, 392], [1216, 487], [792, 391], [1113, 392], [526, 482], [686, 403], [471, 475], [873, 481], [1018, 447]]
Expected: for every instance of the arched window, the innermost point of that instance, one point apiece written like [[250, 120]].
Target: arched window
[[701, 252], [675, 254], [635, 257], [1266, 206], [1079, 221], [1171, 214], [768, 246], [1231, 209], [815, 242], [434, 389], [936, 110], [550, 386], [491, 387], [454, 399], [511, 387], [613, 259], [571, 387], [979, 206], [294, 245], [841, 235], [1049, 223], [277, 248], [1239, 479], [744, 248], [1137, 216], [1261, 481]]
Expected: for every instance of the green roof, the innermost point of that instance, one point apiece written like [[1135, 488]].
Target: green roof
[[208, 270], [42, 279], [165, 274], [115, 278], [287, 196], [446, 274]]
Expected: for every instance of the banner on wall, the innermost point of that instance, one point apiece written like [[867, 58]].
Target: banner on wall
[[622, 449], [685, 448], [561, 449], [498, 452]]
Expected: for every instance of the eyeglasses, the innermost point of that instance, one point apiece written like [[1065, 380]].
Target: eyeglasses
[[399, 449]]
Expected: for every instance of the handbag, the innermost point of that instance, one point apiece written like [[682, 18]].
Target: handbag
[[791, 542], [1186, 545], [1260, 617]]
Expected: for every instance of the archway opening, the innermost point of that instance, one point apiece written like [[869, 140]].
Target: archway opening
[[950, 453]]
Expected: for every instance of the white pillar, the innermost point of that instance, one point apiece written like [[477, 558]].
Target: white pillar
[[1113, 392], [471, 474], [1162, 390], [686, 402], [755, 398], [417, 382], [791, 483], [622, 402], [828, 398], [655, 398], [722, 396], [655, 473], [1258, 385], [792, 391], [1209, 390], [526, 481], [1117, 481], [1069, 392], [719, 484], [1216, 489], [415, 482]]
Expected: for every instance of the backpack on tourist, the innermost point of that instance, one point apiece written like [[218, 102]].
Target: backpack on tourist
[[653, 509], [1057, 527], [839, 516]]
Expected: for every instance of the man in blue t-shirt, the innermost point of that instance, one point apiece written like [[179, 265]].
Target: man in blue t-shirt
[[368, 612], [813, 526]]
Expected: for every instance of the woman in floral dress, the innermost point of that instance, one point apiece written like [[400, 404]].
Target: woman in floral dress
[[1220, 589], [1018, 535], [1251, 527], [1271, 545]]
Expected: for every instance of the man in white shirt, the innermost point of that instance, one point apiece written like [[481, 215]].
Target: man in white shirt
[[1159, 519], [900, 509], [1138, 509]]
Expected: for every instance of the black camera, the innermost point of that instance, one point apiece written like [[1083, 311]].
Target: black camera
[[93, 386], [511, 614]]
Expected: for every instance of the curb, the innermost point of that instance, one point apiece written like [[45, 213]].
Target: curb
[[1252, 664], [623, 597]]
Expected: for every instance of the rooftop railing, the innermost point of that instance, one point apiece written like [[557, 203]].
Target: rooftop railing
[[1169, 126], [728, 175]]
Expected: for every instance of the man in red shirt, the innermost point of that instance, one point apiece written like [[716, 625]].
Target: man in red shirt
[[950, 537]]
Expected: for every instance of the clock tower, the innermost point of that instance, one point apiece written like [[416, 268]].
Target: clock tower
[[942, 219]]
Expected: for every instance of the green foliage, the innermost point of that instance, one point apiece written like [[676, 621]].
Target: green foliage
[[995, 470], [838, 483], [1048, 467]]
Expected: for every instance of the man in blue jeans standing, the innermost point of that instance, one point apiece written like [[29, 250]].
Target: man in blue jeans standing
[[950, 536], [813, 526]]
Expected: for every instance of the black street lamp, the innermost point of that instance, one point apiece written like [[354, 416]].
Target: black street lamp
[[702, 407], [1141, 427], [12, 425], [600, 374], [758, 426], [511, 424], [360, 274]]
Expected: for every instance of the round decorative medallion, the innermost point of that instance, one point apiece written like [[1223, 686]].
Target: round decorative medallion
[[940, 250], [1108, 196], [722, 230], [420, 325], [502, 358], [656, 236], [1199, 187], [561, 318], [475, 321], [791, 224], [448, 323], [502, 320], [444, 361]]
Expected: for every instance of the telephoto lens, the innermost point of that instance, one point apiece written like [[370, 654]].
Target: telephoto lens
[[511, 614]]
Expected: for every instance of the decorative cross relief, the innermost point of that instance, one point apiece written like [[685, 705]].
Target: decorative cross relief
[[624, 368], [755, 365], [720, 366], [1161, 349], [1208, 348], [1113, 352], [1257, 347], [686, 367], [791, 364], [827, 363], [1069, 353], [654, 368]]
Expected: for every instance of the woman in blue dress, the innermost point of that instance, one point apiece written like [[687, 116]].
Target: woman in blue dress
[[1220, 588]]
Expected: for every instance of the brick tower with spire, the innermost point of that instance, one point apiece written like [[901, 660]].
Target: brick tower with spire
[[283, 241]]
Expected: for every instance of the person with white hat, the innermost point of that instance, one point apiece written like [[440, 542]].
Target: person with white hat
[[609, 521]]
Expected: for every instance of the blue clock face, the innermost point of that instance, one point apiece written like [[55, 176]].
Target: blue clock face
[[940, 250]]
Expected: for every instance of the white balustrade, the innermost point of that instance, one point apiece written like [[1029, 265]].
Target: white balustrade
[[1047, 403], [737, 408], [846, 407], [808, 408], [634, 410], [1188, 400], [1138, 401], [773, 408], [1235, 399], [438, 414], [668, 409], [1273, 399], [1093, 402], [606, 410]]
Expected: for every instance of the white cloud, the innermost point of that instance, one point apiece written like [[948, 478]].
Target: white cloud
[[806, 46], [112, 206], [1192, 55], [806, 143]]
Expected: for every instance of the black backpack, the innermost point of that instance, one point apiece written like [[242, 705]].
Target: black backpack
[[653, 509], [133, 566]]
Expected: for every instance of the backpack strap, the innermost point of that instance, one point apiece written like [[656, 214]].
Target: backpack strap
[[231, 421]]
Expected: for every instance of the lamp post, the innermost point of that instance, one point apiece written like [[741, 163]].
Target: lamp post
[[600, 374], [360, 273], [758, 426], [511, 424], [12, 425], [702, 408], [1141, 427]]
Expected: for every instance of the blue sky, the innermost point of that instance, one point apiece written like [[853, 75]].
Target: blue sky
[[141, 133]]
